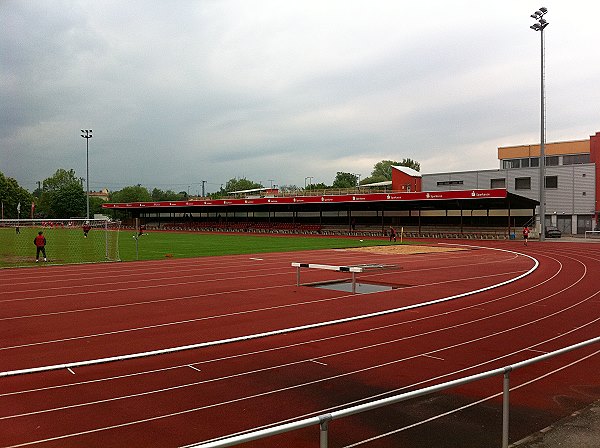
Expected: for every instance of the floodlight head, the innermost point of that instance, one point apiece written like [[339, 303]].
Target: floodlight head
[[82, 130], [535, 27], [543, 21], [534, 16], [539, 13], [544, 10]]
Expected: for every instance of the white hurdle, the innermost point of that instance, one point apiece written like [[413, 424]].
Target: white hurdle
[[353, 269]]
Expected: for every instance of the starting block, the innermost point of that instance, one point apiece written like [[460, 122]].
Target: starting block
[[354, 269]]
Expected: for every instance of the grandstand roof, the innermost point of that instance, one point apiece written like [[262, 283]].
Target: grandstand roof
[[457, 199]]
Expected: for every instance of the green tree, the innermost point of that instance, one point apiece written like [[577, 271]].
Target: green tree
[[11, 194], [238, 184], [169, 195], [134, 193], [345, 180], [316, 187], [96, 207], [62, 196], [382, 171]]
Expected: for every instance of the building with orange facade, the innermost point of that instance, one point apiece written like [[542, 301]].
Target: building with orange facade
[[572, 180]]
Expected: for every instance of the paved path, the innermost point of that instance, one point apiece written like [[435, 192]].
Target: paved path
[[580, 430]]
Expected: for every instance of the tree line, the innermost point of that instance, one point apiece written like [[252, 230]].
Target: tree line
[[62, 195]]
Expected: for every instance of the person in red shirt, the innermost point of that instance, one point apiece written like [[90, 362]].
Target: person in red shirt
[[40, 244], [525, 234], [86, 229]]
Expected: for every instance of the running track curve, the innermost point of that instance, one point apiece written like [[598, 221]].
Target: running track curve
[[61, 315]]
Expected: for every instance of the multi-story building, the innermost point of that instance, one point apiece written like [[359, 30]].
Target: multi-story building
[[572, 184]]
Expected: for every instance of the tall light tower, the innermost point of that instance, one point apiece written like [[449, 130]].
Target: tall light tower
[[87, 134], [540, 24]]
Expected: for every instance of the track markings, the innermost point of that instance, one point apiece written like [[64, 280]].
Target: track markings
[[70, 370], [194, 368], [318, 362], [434, 357], [537, 351]]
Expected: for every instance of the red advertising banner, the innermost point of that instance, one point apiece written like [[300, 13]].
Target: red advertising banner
[[336, 199]]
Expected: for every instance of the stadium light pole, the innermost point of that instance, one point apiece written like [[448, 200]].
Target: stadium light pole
[[540, 24], [87, 134]]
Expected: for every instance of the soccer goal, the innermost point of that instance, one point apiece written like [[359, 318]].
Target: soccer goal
[[74, 240]]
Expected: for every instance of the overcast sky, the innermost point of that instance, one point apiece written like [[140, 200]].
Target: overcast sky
[[180, 91]]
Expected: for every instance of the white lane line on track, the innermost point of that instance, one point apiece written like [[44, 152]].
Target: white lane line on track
[[194, 368], [273, 332], [434, 357], [318, 362]]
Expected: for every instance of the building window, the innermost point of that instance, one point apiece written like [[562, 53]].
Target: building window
[[534, 162], [523, 183], [576, 159], [525, 163], [551, 160], [551, 181], [450, 182], [498, 183], [511, 163]]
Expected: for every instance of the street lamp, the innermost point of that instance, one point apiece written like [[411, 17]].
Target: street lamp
[[540, 24], [87, 134]]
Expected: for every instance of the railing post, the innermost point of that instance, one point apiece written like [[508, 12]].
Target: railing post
[[324, 430], [505, 406], [353, 282], [298, 276]]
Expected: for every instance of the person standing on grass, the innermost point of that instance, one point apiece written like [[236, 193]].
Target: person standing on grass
[[40, 244], [525, 235], [86, 229]]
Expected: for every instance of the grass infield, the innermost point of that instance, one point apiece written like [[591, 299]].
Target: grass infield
[[69, 246], [156, 245]]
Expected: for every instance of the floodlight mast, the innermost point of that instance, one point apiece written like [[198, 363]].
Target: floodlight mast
[[87, 134], [539, 26]]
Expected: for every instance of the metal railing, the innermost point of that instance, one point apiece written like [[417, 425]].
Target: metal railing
[[323, 420]]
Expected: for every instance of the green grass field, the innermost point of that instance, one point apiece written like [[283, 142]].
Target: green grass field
[[68, 245], [156, 245], [64, 246]]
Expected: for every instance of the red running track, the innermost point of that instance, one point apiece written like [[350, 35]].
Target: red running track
[[52, 315]]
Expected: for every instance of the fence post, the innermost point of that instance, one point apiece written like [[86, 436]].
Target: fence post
[[298, 276], [324, 430], [505, 406]]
